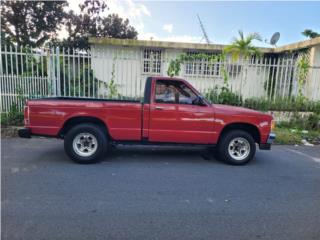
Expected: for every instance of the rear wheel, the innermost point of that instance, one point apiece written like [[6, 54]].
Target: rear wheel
[[85, 143], [236, 147]]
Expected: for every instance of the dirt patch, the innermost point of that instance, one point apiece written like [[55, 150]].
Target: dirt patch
[[10, 131]]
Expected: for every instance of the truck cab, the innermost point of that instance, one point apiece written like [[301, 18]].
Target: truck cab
[[176, 112]]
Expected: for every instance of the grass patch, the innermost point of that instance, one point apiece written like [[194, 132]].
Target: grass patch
[[295, 136]]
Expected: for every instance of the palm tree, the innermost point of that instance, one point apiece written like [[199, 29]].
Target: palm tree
[[242, 46]]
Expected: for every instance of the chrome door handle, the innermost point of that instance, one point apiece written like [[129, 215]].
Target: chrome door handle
[[158, 108]]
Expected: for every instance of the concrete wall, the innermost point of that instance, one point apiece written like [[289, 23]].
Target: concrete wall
[[122, 63], [313, 84]]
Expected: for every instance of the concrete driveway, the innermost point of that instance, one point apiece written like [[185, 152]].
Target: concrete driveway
[[158, 193]]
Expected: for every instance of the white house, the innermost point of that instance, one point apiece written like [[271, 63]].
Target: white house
[[129, 62]]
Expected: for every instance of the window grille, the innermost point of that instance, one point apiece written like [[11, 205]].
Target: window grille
[[202, 66], [152, 61]]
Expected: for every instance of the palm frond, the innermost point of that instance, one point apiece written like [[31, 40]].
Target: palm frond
[[242, 46], [254, 36], [241, 34], [230, 49]]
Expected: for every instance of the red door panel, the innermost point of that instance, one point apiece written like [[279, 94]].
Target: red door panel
[[196, 123], [181, 123], [162, 122]]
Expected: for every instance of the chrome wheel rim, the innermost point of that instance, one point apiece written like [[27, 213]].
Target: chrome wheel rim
[[85, 144], [239, 148]]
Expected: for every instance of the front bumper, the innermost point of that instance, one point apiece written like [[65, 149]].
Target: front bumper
[[24, 133], [270, 140]]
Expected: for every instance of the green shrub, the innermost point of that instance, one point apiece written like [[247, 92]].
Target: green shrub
[[223, 96], [212, 95], [12, 118], [228, 97], [283, 104], [314, 121], [311, 122], [257, 103]]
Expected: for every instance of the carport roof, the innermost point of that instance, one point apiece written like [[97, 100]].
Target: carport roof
[[298, 45], [160, 44], [199, 46]]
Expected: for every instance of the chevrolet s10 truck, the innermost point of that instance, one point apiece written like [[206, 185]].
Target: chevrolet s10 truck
[[171, 112]]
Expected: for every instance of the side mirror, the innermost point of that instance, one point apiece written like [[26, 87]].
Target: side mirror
[[199, 101]]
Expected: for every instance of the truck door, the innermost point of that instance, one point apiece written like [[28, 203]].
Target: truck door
[[176, 115]]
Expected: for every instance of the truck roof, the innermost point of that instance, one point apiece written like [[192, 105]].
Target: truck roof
[[166, 78]]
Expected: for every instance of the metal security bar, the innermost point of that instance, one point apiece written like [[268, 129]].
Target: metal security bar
[[34, 73], [121, 73], [23, 74]]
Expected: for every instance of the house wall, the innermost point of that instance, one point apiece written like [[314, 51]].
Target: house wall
[[127, 63]]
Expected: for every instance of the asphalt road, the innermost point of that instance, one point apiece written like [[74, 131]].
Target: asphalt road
[[158, 193]]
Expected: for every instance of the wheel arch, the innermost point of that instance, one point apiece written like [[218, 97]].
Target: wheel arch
[[73, 121], [250, 128]]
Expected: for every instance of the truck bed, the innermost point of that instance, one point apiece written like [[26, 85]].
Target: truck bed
[[49, 115]]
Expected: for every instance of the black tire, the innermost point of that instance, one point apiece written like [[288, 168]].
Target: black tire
[[227, 138], [100, 137]]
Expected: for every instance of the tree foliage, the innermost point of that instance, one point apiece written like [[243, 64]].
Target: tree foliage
[[90, 22], [35, 23], [31, 23], [243, 47], [310, 34]]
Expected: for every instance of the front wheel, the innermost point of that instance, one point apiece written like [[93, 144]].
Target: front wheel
[[85, 143], [236, 147]]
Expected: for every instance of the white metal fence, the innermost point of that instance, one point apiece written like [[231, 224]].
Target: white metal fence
[[32, 73]]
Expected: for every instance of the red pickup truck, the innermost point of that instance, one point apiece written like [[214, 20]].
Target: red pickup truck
[[171, 112]]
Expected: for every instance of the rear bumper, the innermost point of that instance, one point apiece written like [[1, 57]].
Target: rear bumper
[[24, 133], [270, 140]]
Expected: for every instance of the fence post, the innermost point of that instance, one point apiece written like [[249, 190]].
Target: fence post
[[57, 78], [49, 79]]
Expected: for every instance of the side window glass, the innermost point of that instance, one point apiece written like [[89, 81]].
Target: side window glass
[[186, 95], [166, 92]]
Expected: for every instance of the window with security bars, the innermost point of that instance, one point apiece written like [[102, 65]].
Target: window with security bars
[[152, 61], [202, 66]]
